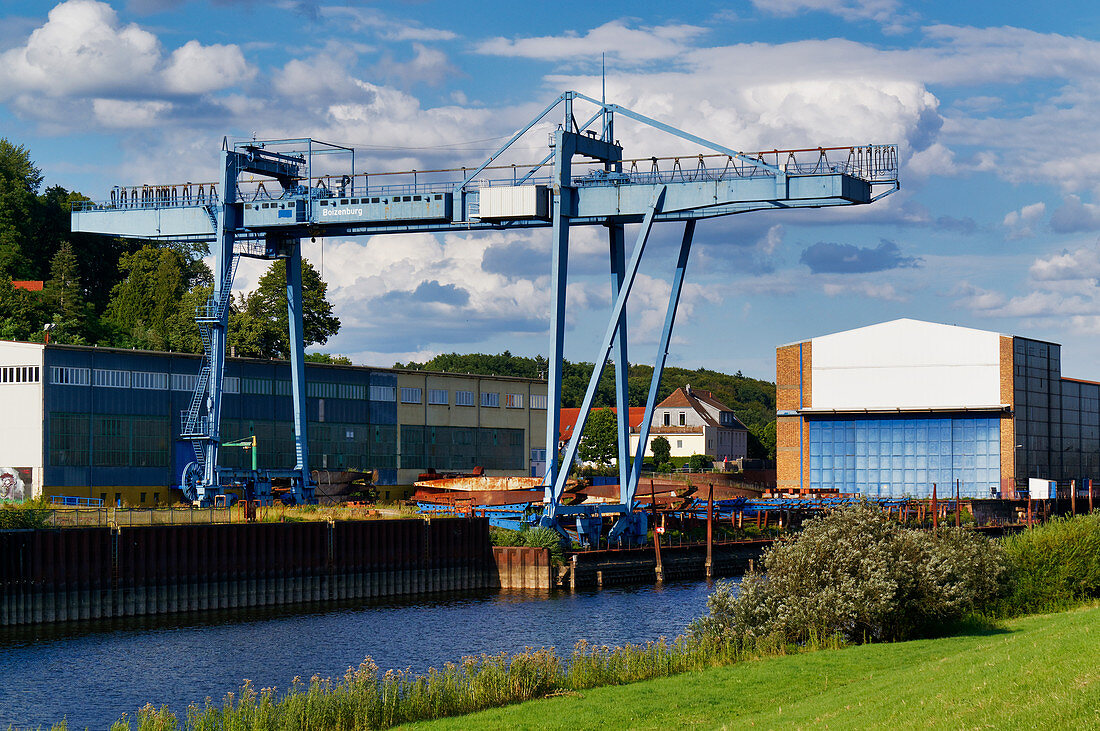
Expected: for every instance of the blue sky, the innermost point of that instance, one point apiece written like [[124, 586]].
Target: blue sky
[[994, 108]]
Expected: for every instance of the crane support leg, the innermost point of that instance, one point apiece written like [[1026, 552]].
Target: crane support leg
[[303, 491], [617, 243], [617, 311]]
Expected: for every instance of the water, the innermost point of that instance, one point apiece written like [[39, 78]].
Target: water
[[93, 674]]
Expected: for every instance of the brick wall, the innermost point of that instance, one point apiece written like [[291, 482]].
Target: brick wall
[[787, 428], [1008, 425]]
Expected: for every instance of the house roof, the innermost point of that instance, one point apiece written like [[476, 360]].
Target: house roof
[[687, 397], [569, 420], [30, 285]]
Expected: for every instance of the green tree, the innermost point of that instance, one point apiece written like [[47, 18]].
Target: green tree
[[64, 299], [328, 358], [599, 441], [661, 450], [258, 325], [22, 313], [20, 180], [151, 307]]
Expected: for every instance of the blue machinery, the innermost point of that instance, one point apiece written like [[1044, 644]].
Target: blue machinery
[[583, 180]]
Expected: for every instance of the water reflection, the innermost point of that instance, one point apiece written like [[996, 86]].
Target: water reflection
[[93, 672]]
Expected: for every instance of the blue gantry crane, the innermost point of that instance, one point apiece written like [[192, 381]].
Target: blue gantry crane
[[274, 193]]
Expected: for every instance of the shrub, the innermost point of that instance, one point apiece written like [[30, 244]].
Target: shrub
[[699, 462], [858, 575], [30, 514], [1052, 566], [666, 467], [545, 538], [505, 537], [660, 449]]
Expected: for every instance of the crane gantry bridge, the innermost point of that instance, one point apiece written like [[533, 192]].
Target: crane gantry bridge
[[274, 193]]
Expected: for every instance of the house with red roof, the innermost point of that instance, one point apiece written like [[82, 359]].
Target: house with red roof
[[694, 422]]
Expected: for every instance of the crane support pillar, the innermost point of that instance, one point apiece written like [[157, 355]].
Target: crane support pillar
[[298, 368], [617, 242]]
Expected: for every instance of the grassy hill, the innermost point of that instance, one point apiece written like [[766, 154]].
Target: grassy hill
[[1041, 671]]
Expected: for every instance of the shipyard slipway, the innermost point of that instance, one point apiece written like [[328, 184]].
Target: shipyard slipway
[[274, 193]]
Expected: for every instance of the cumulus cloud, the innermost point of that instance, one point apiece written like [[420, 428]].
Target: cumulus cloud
[[831, 258], [1081, 263], [617, 38], [1074, 216], [1021, 224], [83, 56], [878, 10]]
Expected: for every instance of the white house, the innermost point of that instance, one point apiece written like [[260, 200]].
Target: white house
[[694, 422]]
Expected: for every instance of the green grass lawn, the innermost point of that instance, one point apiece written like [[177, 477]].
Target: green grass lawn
[[1038, 672]]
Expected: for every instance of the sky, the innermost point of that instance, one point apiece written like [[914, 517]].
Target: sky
[[994, 107]]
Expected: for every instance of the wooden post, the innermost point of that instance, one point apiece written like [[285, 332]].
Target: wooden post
[[710, 529], [958, 506], [1073, 497], [1090, 494], [1029, 509], [656, 536], [935, 510]]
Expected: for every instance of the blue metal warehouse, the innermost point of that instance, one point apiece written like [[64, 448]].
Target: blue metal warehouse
[[105, 423]]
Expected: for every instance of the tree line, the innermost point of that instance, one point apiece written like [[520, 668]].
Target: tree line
[[100, 290], [753, 400]]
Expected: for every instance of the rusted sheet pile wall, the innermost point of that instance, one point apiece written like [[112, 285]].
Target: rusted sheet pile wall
[[94, 573], [523, 567]]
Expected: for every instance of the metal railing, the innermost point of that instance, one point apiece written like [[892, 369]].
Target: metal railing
[[65, 517]]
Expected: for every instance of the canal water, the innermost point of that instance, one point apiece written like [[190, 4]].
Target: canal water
[[92, 674]]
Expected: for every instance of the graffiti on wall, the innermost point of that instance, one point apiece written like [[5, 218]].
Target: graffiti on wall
[[15, 483]]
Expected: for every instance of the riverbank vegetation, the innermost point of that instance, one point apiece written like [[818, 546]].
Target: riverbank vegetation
[[853, 577], [1033, 672]]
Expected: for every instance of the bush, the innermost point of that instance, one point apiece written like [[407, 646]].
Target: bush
[[545, 538], [505, 537], [666, 467], [1052, 566], [856, 574], [31, 514], [699, 462]]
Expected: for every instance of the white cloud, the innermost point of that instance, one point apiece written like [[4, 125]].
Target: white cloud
[[1082, 263], [1021, 224], [882, 11], [632, 45], [83, 52], [387, 28], [197, 69], [863, 288], [1074, 215]]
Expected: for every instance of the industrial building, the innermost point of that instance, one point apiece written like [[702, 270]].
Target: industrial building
[[105, 423], [890, 409]]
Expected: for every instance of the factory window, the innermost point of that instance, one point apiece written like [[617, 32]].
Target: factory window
[[67, 376], [410, 395], [19, 374], [322, 390], [353, 391], [464, 398], [256, 386], [231, 384], [68, 440], [110, 441], [438, 396], [110, 379], [513, 400], [150, 381], [282, 387], [461, 448], [383, 393], [490, 399], [538, 401], [183, 382], [149, 441]]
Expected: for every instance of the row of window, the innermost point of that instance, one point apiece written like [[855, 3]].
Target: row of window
[[71, 376], [19, 374], [80, 440]]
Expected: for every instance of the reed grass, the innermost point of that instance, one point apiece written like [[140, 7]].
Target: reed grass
[[365, 698]]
